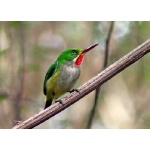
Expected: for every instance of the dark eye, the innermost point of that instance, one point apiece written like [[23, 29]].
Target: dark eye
[[73, 52]]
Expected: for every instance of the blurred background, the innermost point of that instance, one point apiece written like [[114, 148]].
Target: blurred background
[[27, 49]]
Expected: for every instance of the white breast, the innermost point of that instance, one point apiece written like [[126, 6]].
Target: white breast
[[68, 76]]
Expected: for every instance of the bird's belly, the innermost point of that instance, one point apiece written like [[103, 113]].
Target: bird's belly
[[67, 78], [62, 81]]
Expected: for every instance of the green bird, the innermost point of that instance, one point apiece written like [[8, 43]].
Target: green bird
[[63, 73]]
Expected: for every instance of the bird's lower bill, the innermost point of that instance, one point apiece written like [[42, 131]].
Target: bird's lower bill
[[79, 59]]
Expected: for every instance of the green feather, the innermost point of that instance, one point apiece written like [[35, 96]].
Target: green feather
[[55, 76], [62, 74], [52, 69], [66, 55], [69, 55]]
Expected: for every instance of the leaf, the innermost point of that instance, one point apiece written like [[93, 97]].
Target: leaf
[[15, 23], [18, 23], [3, 51], [3, 96]]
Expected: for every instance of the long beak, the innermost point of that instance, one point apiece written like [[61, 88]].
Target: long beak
[[89, 48]]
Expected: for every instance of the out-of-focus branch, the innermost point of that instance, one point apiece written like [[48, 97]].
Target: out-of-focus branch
[[97, 92], [21, 71], [88, 87], [17, 71]]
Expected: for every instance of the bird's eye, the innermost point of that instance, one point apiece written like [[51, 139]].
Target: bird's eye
[[73, 52]]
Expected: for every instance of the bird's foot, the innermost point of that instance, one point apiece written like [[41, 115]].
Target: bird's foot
[[17, 122], [73, 90], [59, 101]]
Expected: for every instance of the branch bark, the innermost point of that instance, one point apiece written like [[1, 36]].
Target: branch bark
[[88, 87]]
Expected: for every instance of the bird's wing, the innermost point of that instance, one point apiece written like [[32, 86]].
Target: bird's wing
[[52, 69]]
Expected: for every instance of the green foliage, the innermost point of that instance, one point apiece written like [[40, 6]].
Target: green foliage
[[146, 121], [15, 23], [32, 67], [146, 68], [19, 23], [3, 52], [3, 96]]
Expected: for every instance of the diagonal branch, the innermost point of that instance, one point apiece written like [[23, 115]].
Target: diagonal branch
[[97, 92], [88, 87]]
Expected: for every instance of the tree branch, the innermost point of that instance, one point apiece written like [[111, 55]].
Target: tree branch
[[88, 87], [97, 92]]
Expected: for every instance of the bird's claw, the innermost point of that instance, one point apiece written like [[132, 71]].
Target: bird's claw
[[59, 101], [17, 122], [73, 90]]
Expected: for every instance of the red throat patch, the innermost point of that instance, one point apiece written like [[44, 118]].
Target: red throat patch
[[79, 59]]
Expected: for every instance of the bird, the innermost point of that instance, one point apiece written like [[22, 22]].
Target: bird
[[63, 74]]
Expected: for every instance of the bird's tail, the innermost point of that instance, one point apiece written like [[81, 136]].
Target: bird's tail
[[48, 103]]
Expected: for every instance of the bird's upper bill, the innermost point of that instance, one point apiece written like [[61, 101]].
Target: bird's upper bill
[[80, 57], [89, 48]]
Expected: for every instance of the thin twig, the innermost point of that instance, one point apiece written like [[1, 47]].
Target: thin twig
[[88, 87], [97, 92]]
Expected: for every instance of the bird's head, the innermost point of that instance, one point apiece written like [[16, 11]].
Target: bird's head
[[74, 54]]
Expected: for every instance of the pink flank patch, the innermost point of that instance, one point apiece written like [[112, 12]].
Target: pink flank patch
[[79, 59]]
